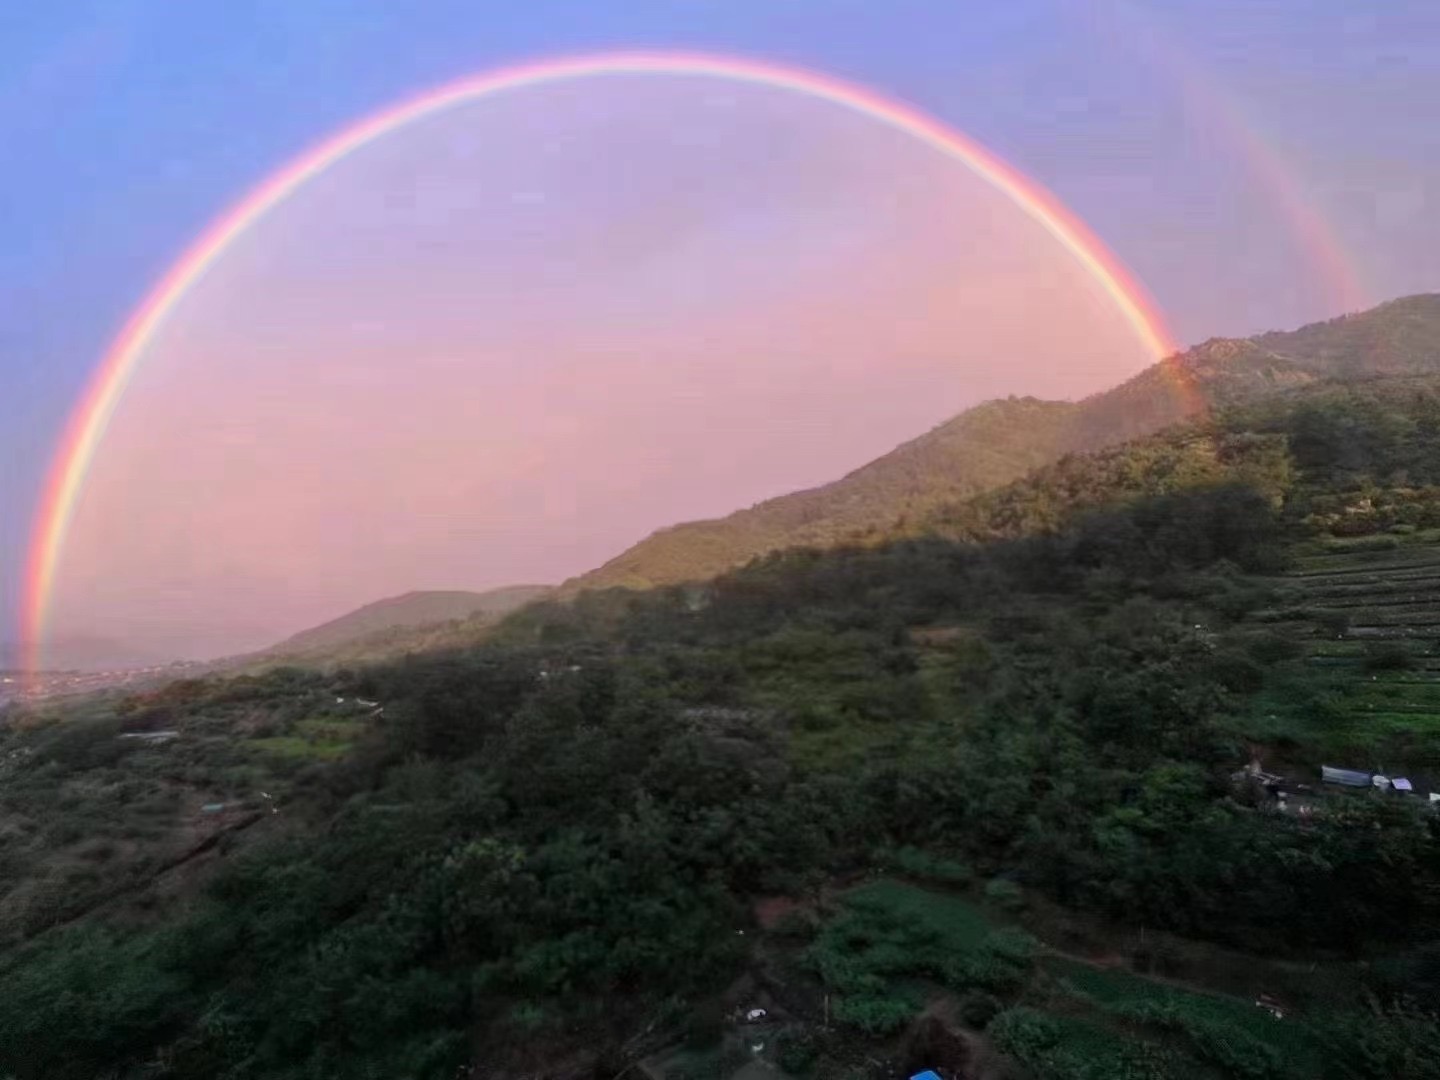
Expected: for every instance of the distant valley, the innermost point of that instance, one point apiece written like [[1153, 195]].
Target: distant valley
[[82, 653]]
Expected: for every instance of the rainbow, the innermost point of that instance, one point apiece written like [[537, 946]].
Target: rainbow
[[1145, 32], [85, 428]]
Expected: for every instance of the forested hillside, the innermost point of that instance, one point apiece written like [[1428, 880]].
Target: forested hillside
[[995, 443], [996, 797]]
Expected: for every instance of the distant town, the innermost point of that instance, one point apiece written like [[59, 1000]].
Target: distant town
[[18, 686]]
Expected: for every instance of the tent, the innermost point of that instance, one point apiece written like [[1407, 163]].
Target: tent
[[1401, 784]]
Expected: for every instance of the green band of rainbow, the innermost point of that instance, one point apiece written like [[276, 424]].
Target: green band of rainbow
[[86, 425]]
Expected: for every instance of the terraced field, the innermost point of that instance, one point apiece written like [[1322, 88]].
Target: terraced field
[[1365, 616], [1060, 1015], [1124, 994], [323, 738]]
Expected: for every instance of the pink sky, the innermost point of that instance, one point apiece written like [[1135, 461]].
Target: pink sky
[[509, 341]]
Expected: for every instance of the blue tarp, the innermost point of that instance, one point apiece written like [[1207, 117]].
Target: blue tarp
[[926, 1075]]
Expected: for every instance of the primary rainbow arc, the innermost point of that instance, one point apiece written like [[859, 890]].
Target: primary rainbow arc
[[87, 423]]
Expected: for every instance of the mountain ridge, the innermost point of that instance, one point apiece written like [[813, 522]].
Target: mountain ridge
[[1002, 440]]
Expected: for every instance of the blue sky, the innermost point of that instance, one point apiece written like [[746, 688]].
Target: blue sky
[[127, 125]]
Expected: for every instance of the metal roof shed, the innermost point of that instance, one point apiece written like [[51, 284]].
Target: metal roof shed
[[1344, 777]]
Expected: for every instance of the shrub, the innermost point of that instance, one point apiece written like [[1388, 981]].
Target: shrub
[[1159, 958], [1024, 1033], [1399, 1042], [978, 1008], [1001, 964], [1011, 944], [705, 1026], [1005, 894], [1414, 974], [528, 1016], [988, 973], [840, 970], [927, 867], [1367, 544], [1268, 647], [1234, 602], [1389, 656], [88, 998], [1236, 672], [798, 1052], [1051, 1049], [96, 850], [719, 1067], [1237, 1053], [876, 1014], [795, 924], [815, 717]]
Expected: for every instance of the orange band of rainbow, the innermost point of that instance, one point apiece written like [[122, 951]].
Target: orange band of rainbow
[[87, 423]]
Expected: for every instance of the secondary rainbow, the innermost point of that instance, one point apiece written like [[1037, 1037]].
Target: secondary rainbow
[[86, 426], [1144, 32]]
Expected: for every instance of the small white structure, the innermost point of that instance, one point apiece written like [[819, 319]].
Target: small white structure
[[1381, 782], [753, 1015]]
